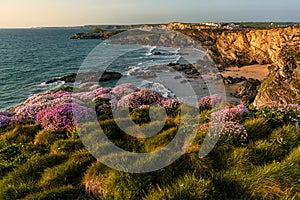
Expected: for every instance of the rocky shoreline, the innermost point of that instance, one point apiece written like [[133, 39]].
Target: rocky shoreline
[[88, 77], [230, 50], [96, 34]]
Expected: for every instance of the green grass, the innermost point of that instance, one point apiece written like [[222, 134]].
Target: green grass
[[66, 146], [48, 137], [257, 128], [187, 187], [70, 171], [23, 179], [63, 192], [45, 164], [21, 134]]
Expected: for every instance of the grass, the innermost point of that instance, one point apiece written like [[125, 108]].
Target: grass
[[66, 146], [45, 164], [187, 187], [70, 171], [48, 137]]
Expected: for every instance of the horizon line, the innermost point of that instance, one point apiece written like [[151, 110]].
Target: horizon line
[[136, 24]]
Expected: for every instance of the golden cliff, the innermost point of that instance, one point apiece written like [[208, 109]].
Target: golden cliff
[[254, 46], [239, 46]]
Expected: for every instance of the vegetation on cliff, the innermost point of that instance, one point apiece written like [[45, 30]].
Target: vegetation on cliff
[[256, 157]]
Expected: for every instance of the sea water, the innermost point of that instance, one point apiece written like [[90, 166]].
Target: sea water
[[30, 57]]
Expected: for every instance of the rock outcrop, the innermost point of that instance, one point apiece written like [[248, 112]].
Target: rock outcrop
[[88, 77], [283, 83], [248, 91], [240, 47], [96, 34]]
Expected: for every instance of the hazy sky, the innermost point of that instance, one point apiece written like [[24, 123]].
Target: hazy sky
[[32, 13]]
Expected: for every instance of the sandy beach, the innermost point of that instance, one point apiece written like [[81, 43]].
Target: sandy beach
[[259, 72]]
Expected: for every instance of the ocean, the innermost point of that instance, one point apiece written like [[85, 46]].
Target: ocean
[[30, 57]]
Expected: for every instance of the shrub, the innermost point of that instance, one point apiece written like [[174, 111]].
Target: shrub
[[140, 98], [123, 90], [278, 114], [209, 102], [171, 106], [29, 109], [234, 114], [6, 118], [230, 133], [64, 88], [140, 115], [61, 116], [102, 106]]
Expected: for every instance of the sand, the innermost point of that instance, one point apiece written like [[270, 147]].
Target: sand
[[259, 72]]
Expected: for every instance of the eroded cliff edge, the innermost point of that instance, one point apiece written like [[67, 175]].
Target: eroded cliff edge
[[279, 47], [240, 47], [283, 82]]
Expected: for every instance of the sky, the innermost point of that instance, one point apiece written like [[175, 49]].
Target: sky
[[43, 13]]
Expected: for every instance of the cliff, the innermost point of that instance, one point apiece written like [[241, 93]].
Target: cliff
[[246, 47], [283, 82], [239, 47]]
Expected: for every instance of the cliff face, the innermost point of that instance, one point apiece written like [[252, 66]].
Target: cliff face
[[254, 46], [239, 47], [283, 83]]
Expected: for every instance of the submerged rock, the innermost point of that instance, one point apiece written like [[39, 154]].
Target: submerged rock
[[88, 77]]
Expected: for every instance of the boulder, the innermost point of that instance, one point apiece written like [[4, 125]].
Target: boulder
[[248, 91], [231, 80], [157, 53]]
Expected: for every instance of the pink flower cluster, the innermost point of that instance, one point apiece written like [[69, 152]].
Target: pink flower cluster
[[140, 98], [29, 109], [235, 113], [60, 116], [277, 112], [145, 98], [54, 109], [123, 90], [232, 131], [208, 102]]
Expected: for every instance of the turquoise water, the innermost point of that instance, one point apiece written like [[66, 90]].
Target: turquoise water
[[29, 57]]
